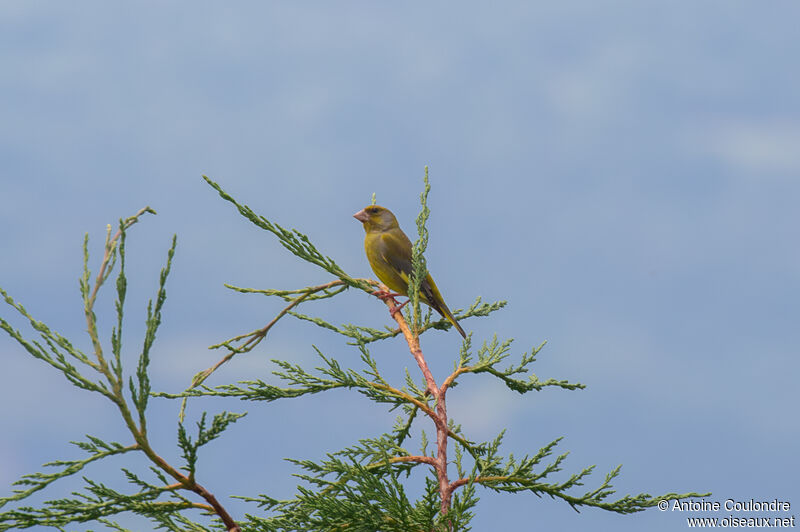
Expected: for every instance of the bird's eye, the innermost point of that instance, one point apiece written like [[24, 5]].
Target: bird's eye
[[373, 210]]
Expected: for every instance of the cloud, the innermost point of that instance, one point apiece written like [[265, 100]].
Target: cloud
[[762, 148], [595, 86], [484, 408]]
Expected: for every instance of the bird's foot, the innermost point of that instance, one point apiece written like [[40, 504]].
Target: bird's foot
[[384, 294], [394, 310]]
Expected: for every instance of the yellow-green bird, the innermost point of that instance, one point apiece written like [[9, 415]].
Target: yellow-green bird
[[389, 252]]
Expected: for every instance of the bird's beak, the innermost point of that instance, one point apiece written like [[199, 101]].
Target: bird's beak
[[361, 216]]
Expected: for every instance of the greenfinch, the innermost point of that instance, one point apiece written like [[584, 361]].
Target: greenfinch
[[389, 253]]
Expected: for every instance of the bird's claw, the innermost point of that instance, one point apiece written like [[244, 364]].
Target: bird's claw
[[394, 310], [384, 294]]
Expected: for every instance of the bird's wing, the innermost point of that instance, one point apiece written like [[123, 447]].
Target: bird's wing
[[396, 251], [395, 248]]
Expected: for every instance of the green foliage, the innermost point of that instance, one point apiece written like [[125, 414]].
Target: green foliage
[[419, 270], [295, 241], [365, 486], [97, 449], [161, 501], [204, 435]]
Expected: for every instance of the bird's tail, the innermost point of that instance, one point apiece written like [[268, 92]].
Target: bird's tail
[[441, 308], [452, 320], [429, 294]]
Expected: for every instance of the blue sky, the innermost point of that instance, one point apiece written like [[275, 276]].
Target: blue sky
[[625, 174]]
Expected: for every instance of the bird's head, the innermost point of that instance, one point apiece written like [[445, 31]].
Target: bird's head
[[376, 218]]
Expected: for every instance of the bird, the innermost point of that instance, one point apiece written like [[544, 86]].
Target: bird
[[389, 253]]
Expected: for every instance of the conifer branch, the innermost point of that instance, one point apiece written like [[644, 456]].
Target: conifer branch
[[109, 257], [100, 501], [411, 335], [523, 475], [358, 488], [419, 269], [252, 339], [293, 240], [39, 481], [412, 398]]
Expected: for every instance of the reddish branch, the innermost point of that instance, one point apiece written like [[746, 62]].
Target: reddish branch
[[184, 481], [439, 416], [223, 514]]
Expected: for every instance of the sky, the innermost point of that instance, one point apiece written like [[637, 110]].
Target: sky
[[625, 174]]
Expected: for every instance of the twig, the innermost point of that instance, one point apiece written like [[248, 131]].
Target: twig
[[255, 337], [108, 255], [421, 459], [110, 248]]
